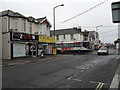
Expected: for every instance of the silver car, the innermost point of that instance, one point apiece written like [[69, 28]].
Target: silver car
[[103, 50]]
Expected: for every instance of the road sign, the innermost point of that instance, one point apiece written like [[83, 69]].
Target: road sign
[[116, 12]]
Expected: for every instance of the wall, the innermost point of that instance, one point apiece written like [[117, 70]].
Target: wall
[[4, 24], [19, 24], [0, 38], [77, 37], [6, 52], [34, 28]]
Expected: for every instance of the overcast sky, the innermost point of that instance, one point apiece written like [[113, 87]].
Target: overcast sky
[[100, 15]]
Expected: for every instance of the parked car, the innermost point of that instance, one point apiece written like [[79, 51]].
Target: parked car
[[103, 50]]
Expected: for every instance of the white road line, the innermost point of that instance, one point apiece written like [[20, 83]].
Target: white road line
[[87, 68], [70, 77], [91, 65], [77, 80], [82, 70]]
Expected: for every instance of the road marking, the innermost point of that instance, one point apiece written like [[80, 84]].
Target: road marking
[[76, 80], [95, 63], [70, 77], [87, 68], [82, 70], [91, 65], [100, 85]]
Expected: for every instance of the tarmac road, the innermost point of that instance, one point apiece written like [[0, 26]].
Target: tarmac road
[[64, 71]]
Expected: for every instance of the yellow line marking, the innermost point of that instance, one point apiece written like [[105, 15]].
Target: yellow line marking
[[100, 85]]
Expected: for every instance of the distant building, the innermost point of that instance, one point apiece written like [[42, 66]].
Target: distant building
[[75, 34], [69, 34], [23, 36], [93, 37]]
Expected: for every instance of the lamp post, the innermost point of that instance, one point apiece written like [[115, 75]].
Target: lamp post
[[54, 17], [96, 33]]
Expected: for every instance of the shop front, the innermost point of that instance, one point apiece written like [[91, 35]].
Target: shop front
[[46, 43], [24, 44]]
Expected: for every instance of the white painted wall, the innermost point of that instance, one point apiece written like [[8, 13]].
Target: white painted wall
[[77, 37], [6, 46]]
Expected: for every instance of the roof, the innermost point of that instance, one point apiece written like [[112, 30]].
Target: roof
[[11, 13], [32, 19], [43, 19], [65, 31], [86, 33]]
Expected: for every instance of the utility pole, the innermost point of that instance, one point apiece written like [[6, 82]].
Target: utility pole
[[118, 38]]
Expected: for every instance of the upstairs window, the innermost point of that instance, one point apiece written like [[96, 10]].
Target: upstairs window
[[16, 24], [30, 27], [64, 36], [72, 37], [23, 25]]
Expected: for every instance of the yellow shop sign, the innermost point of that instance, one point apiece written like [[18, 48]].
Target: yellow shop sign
[[46, 39]]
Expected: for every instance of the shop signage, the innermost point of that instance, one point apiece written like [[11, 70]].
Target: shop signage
[[46, 39], [23, 36]]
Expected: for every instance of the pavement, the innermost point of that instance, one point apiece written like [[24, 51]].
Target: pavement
[[25, 60], [116, 79], [17, 61]]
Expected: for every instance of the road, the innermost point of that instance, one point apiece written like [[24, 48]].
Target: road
[[64, 71]]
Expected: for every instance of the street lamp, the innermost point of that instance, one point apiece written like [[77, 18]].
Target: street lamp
[[97, 30], [96, 33], [97, 27], [54, 17]]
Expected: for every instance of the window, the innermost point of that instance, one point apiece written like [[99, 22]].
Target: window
[[30, 27], [16, 24], [4, 25], [57, 37], [24, 25], [72, 37], [64, 36], [43, 29]]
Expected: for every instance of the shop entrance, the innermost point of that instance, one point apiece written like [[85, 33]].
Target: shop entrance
[[31, 49]]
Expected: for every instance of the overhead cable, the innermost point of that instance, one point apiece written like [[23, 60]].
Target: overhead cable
[[85, 11]]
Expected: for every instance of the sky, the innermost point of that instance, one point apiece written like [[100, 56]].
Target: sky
[[98, 16]]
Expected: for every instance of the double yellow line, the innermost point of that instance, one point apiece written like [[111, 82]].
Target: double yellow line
[[100, 85]]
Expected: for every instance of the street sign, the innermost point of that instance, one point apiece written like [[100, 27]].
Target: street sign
[[116, 12]]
